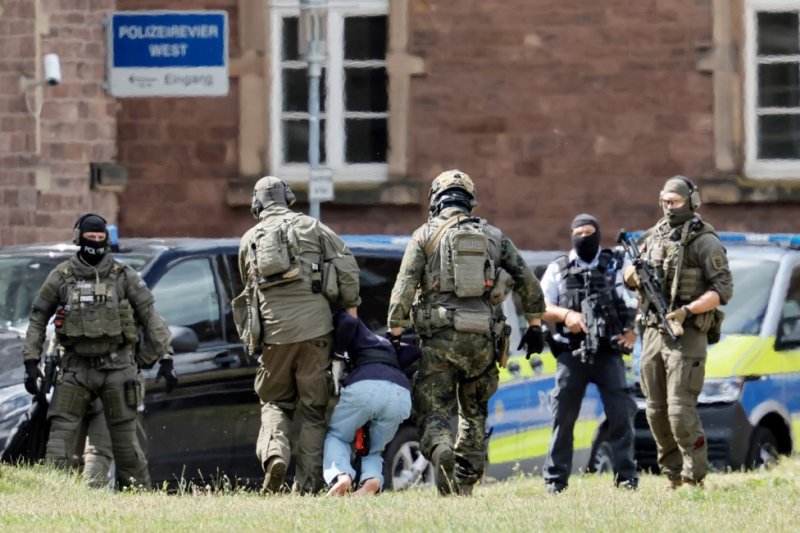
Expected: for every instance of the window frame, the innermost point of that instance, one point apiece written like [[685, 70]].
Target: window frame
[[335, 142], [762, 169]]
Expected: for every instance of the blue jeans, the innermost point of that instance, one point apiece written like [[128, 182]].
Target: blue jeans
[[382, 403]]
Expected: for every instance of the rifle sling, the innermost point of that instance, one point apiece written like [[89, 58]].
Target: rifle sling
[[434, 240]]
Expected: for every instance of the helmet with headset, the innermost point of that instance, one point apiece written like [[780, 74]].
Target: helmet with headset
[[270, 189]]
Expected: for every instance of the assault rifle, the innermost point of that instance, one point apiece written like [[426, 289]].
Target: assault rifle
[[649, 283], [591, 343]]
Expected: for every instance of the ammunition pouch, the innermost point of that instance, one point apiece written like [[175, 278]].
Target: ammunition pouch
[[430, 319], [131, 388], [710, 323]]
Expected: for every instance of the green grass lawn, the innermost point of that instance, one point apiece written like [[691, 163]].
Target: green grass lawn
[[41, 499]]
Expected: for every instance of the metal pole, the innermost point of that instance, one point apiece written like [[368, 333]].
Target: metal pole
[[314, 74]]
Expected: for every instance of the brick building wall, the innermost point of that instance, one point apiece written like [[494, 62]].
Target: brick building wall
[[553, 107], [44, 181]]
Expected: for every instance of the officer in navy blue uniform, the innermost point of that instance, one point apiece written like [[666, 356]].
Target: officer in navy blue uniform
[[589, 282]]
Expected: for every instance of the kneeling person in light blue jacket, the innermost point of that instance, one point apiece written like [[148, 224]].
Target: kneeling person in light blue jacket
[[376, 390]]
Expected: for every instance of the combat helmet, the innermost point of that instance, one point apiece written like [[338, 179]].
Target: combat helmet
[[449, 186], [270, 189]]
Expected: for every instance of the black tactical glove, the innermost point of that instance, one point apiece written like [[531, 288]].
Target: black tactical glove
[[166, 370], [395, 340], [32, 376], [533, 339]]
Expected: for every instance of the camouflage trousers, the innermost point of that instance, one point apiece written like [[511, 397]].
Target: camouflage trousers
[[456, 367], [295, 376], [78, 387], [672, 375]]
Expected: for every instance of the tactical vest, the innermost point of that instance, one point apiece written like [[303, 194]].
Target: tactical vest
[[665, 252], [276, 253], [459, 275], [582, 281], [97, 317]]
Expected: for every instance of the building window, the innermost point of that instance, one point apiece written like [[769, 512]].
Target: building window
[[772, 89], [354, 102]]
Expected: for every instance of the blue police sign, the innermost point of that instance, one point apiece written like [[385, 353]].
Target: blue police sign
[[175, 53]]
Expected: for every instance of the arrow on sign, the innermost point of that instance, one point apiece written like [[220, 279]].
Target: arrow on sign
[[134, 79]]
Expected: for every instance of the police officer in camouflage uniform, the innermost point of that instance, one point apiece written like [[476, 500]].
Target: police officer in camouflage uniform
[[100, 305], [687, 255], [585, 296], [455, 274], [281, 260]]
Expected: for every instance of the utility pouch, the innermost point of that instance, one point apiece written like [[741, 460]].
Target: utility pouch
[[714, 330], [246, 318], [330, 282], [471, 321], [503, 284], [132, 393]]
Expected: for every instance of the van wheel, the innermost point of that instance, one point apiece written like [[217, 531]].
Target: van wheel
[[763, 452], [600, 461], [404, 466]]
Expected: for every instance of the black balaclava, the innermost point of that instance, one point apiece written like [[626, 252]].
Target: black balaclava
[[92, 252], [680, 215], [587, 246]]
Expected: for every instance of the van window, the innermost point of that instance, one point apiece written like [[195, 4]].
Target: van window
[[789, 330], [187, 296], [752, 278]]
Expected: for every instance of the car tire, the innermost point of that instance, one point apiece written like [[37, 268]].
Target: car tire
[[763, 452], [600, 460], [404, 466]]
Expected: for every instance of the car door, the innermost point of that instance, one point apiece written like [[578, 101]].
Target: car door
[[191, 429]]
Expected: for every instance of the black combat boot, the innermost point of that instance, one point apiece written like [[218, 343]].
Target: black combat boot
[[444, 461]]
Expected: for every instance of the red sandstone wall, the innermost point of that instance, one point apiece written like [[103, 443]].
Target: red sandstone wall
[[78, 119]]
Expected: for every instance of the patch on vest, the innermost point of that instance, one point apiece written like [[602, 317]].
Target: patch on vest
[[718, 261]]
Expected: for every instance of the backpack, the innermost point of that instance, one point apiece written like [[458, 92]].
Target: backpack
[[465, 267], [276, 254]]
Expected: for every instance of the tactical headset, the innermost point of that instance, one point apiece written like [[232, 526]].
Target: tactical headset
[[288, 196], [76, 229], [694, 193]]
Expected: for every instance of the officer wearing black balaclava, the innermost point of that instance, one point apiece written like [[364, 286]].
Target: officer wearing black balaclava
[[590, 316], [585, 242], [101, 307], [91, 235]]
